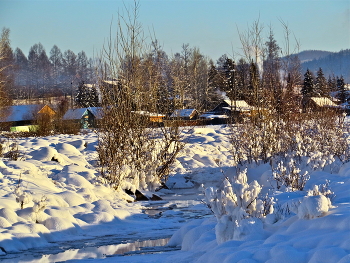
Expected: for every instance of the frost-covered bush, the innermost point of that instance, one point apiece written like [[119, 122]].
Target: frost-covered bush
[[22, 197], [313, 206], [37, 209], [294, 147], [235, 205], [290, 175]]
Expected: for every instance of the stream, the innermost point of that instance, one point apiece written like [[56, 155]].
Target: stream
[[182, 205]]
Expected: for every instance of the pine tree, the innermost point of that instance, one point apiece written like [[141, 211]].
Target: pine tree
[[308, 87], [230, 79], [93, 98], [82, 97], [342, 93], [332, 83], [243, 79], [271, 74], [254, 85], [321, 85]]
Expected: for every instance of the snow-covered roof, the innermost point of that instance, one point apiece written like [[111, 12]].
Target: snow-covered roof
[[74, 114], [151, 114], [323, 102], [183, 113], [90, 85], [240, 105], [96, 111], [212, 116], [111, 82], [20, 112]]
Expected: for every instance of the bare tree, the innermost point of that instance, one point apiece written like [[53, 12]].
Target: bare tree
[[6, 70], [131, 151]]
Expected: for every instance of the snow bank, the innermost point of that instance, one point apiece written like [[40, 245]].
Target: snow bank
[[59, 192], [59, 170]]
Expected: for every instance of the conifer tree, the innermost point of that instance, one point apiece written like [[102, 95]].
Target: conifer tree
[[254, 85], [230, 79], [342, 94], [321, 85], [93, 98], [332, 83], [82, 97], [308, 87]]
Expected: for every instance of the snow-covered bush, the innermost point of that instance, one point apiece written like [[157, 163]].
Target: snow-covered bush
[[313, 206], [290, 175], [37, 209], [235, 205], [294, 147], [23, 197]]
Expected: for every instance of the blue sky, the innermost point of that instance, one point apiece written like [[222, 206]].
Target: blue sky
[[210, 25]]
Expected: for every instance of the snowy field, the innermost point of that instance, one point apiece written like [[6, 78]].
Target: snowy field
[[66, 209]]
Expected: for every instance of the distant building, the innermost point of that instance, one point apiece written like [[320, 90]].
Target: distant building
[[86, 117], [228, 106], [185, 114], [319, 103], [23, 115], [153, 117]]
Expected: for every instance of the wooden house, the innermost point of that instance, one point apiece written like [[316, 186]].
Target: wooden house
[[228, 106], [24, 116], [153, 117], [85, 117], [319, 104], [239, 109], [185, 114]]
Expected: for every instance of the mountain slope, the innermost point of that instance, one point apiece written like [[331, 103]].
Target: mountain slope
[[334, 63]]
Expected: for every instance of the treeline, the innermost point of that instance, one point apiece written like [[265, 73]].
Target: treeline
[[187, 79], [333, 64], [43, 74]]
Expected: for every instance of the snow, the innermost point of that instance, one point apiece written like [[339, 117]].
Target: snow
[[74, 114], [21, 112], [183, 113], [323, 102], [64, 201]]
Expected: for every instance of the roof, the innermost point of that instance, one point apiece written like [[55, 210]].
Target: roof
[[20, 112], [89, 85], [74, 114], [212, 116], [238, 103], [97, 112], [150, 114], [183, 113], [323, 102], [111, 82]]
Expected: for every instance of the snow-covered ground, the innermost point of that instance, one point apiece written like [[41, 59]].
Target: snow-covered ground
[[66, 207]]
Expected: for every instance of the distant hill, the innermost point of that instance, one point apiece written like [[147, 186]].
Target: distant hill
[[309, 55], [337, 63]]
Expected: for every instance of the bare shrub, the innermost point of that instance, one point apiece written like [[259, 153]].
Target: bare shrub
[[12, 151]]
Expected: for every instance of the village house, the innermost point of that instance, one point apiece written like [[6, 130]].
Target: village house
[[24, 117], [185, 114], [86, 117], [319, 104]]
